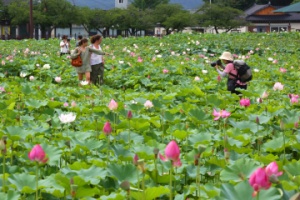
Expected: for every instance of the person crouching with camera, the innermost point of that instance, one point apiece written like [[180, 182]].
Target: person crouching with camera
[[229, 71]]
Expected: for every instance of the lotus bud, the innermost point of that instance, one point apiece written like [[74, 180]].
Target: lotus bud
[[155, 151], [141, 165], [2, 145], [129, 114], [125, 185], [273, 179], [257, 120], [135, 159], [296, 125], [196, 159], [226, 154], [201, 148]]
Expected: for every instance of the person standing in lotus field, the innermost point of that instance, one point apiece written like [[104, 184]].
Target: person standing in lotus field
[[231, 73], [84, 51], [97, 62]]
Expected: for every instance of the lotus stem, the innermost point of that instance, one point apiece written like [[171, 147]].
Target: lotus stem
[[198, 179], [143, 187], [37, 181], [283, 146], [3, 166], [129, 139], [108, 147], [257, 196], [171, 188]]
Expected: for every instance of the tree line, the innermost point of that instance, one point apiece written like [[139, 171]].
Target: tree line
[[140, 15]]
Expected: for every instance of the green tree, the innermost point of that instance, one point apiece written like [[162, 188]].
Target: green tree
[[220, 17], [296, 1], [18, 11], [147, 4], [173, 16], [245, 4]]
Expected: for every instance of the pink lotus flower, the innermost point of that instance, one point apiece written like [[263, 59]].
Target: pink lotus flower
[[107, 128], [172, 152], [222, 113], [278, 86], [31, 78], [272, 170], [219, 78], [275, 61], [282, 70], [37, 154], [58, 79], [148, 104], [66, 104], [294, 100], [140, 59], [197, 78], [132, 54], [73, 104], [259, 180], [2, 89], [113, 105], [245, 102], [264, 95], [165, 71]]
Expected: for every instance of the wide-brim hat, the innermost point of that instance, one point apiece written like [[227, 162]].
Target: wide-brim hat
[[226, 56]]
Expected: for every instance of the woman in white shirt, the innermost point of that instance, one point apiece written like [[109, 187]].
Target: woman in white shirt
[[97, 62], [64, 46]]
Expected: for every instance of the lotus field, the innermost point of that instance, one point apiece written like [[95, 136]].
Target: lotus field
[[163, 126]]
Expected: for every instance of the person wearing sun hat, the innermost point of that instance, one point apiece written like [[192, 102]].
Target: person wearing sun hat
[[230, 72]]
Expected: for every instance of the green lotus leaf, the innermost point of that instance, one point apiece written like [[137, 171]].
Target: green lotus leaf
[[10, 195], [53, 153], [151, 193], [24, 182], [52, 186], [123, 172], [244, 191], [33, 103], [113, 196], [239, 171], [274, 145], [16, 132]]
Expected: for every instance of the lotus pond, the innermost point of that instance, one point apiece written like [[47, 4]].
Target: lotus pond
[[156, 129]]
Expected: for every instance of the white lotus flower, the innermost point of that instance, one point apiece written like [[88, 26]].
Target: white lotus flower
[[46, 66], [256, 70], [121, 62], [156, 51], [204, 71], [270, 59], [205, 50], [67, 117], [197, 78], [84, 82], [159, 56], [31, 78], [23, 74], [58, 79]]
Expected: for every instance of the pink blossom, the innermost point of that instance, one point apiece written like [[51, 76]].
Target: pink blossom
[[278, 86], [148, 104], [73, 104], [107, 128], [172, 152], [282, 70], [245, 102], [38, 154], [201, 56], [264, 95], [2, 89], [219, 78], [66, 104], [259, 180], [132, 54], [165, 71], [140, 59], [31, 78], [272, 169], [58, 79], [113, 105], [3, 62], [197, 78], [222, 113], [294, 100], [275, 61]]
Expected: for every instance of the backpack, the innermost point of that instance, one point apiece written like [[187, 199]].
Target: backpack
[[244, 73]]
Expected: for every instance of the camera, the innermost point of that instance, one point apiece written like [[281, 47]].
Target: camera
[[68, 40], [218, 62]]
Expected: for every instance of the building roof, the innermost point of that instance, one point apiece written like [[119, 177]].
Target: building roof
[[255, 8], [288, 17], [291, 8]]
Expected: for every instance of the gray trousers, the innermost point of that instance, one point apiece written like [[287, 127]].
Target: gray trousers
[[97, 74]]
